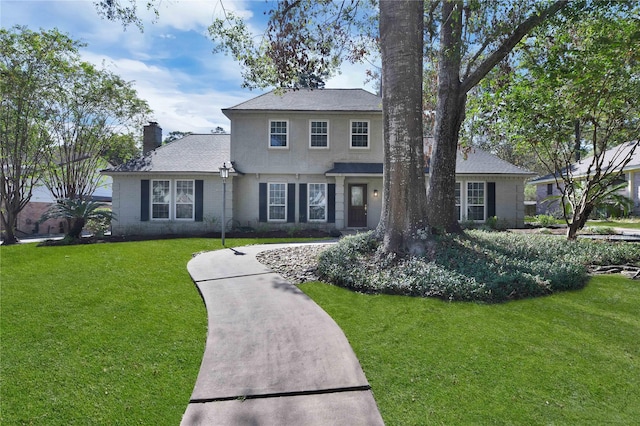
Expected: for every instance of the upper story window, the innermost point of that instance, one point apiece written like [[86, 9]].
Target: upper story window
[[475, 201], [184, 199], [318, 134], [277, 202], [278, 133], [160, 199], [317, 202], [359, 134]]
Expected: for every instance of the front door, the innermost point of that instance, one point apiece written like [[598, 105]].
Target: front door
[[357, 206]]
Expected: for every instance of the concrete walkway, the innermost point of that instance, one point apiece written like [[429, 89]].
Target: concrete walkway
[[273, 356]]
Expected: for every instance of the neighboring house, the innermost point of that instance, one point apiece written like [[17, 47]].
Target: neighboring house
[[546, 185], [41, 199], [304, 158]]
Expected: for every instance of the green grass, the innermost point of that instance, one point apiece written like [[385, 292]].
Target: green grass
[[570, 358], [114, 334], [101, 333], [620, 223]]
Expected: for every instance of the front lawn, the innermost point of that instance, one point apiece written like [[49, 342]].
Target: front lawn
[[567, 359], [100, 333], [114, 334], [632, 223]]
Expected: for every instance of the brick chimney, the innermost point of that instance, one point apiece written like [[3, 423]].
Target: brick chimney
[[152, 137]]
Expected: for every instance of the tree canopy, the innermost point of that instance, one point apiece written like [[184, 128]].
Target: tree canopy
[[573, 93], [60, 119]]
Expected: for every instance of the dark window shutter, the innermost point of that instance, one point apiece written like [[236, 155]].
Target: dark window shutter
[[491, 199], [291, 202], [302, 211], [262, 209], [199, 205], [144, 200], [331, 202]]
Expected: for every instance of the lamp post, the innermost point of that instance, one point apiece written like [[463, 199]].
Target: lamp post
[[224, 174]]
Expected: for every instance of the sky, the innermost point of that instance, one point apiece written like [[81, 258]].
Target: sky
[[170, 63]]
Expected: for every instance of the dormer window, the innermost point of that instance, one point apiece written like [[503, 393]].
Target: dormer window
[[278, 133]]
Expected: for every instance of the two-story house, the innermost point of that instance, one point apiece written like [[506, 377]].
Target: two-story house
[[302, 158]]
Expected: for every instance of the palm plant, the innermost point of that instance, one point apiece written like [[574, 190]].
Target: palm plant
[[77, 212]]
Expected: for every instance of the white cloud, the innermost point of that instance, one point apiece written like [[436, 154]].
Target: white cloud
[[176, 107]]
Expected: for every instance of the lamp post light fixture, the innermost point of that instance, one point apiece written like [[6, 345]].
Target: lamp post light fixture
[[224, 174]]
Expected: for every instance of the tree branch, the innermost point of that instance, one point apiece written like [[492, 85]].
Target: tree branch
[[507, 46]]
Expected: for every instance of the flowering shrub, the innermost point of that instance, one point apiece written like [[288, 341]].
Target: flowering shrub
[[476, 266]]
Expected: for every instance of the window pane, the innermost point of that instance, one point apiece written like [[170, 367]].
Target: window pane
[[359, 134], [317, 213], [161, 191], [276, 213], [319, 140], [475, 201], [160, 211], [475, 193], [277, 201], [160, 199], [184, 199], [475, 213], [357, 198], [184, 211], [278, 140], [278, 133], [317, 201], [184, 191], [319, 133]]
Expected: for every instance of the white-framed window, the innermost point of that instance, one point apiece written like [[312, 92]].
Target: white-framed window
[[476, 201], [278, 133], [458, 195], [317, 203], [184, 198], [160, 199], [360, 134], [277, 202], [318, 134]]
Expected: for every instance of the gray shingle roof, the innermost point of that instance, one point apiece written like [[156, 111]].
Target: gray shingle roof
[[479, 161], [613, 156], [476, 162], [202, 153], [313, 100]]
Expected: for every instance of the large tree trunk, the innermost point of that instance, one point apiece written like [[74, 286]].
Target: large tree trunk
[[449, 117], [9, 222], [404, 190]]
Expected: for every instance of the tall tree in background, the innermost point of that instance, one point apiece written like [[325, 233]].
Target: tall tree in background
[[473, 38], [87, 110], [59, 119], [466, 40], [30, 66], [575, 89]]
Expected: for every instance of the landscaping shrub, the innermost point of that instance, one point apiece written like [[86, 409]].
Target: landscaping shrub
[[545, 220], [476, 266]]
